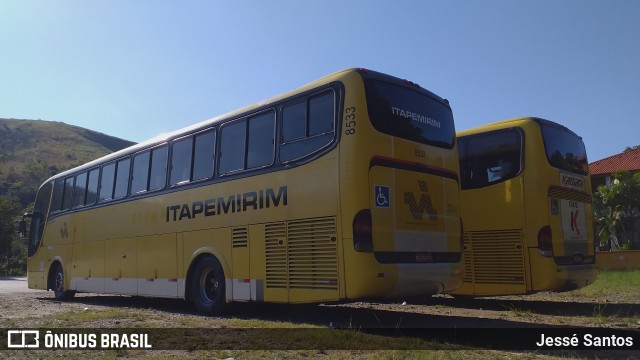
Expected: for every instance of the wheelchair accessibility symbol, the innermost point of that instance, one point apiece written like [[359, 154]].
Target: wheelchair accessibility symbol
[[382, 199]]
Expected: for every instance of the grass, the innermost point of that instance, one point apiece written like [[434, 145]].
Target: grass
[[517, 311], [616, 283], [261, 354], [614, 294]]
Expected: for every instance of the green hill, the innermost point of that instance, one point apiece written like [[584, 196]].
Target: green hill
[[31, 151]]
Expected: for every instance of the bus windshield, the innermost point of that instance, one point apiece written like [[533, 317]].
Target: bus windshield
[[406, 113], [40, 213], [565, 150]]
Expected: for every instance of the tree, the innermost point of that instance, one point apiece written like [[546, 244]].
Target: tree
[[9, 243], [616, 207]]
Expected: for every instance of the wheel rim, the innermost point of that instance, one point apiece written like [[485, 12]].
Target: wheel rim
[[59, 281], [209, 286]]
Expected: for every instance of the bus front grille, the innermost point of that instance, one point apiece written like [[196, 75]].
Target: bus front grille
[[494, 257]]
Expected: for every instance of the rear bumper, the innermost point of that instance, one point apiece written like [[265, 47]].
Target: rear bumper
[[426, 279], [574, 277]]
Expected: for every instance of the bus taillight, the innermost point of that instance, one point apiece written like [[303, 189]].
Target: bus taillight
[[544, 241], [362, 231]]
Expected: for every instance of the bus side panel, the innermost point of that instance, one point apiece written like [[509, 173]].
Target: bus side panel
[[59, 247], [36, 278], [120, 266], [157, 265], [56, 246], [87, 271]]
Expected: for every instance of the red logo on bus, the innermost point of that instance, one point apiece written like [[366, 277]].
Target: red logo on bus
[[574, 221]]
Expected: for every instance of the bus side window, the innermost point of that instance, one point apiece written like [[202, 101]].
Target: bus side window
[[192, 158], [489, 158], [107, 182], [140, 177], [68, 193], [158, 176], [92, 187], [58, 191], [307, 126], [80, 189], [204, 155], [260, 143], [294, 121], [321, 114], [122, 178], [502, 169], [181, 153], [232, 146]]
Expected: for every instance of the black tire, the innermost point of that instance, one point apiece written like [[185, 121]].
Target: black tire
[[57, 285], [207, 286]]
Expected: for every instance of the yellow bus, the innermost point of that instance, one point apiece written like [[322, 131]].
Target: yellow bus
[[526, 207], [345, 188]]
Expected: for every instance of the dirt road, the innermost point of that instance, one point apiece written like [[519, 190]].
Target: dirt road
[[13, 285]]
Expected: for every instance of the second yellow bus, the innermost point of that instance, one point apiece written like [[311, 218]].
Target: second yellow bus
[[526, 207]]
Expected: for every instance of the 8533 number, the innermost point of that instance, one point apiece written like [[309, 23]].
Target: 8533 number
[[350, 120]]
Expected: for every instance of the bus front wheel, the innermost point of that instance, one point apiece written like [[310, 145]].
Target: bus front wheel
[[208, 286], [57, 284]]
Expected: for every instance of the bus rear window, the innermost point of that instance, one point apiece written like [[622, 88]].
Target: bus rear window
[[406, 113], [565, 150]]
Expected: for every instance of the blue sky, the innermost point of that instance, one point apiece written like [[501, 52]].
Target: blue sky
[[135, 69]]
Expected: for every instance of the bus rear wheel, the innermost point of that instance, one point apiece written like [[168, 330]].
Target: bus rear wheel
[[57, 284], [208, 286]]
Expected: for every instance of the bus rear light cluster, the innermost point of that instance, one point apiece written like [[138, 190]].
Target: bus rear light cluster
[[545, 245], [362, 231]]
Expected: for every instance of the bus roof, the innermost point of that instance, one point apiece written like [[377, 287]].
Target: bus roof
[[511, 123], [247, 110]]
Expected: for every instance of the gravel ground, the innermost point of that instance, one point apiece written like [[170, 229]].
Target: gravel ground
[[33, 307], [38, 309]]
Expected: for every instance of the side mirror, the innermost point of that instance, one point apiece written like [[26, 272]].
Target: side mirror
[[22, 228]]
